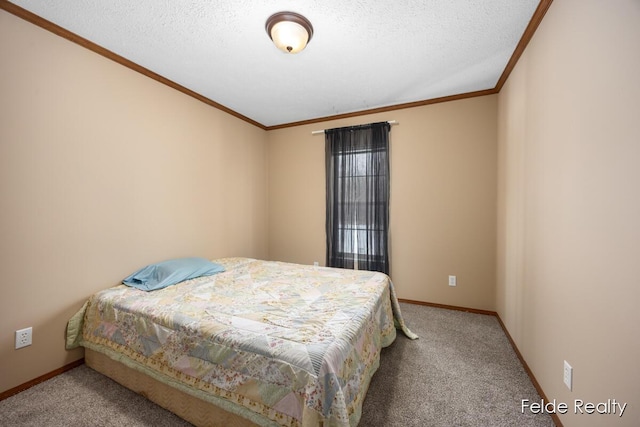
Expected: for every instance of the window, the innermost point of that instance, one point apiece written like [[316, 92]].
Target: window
[[354, 230], [358, 197]]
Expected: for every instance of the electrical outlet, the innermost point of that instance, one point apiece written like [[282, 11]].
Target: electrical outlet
[[452, 281], [316, 264], [23, 337], [568, 375]]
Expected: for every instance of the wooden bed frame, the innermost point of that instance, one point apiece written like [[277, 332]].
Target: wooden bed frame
[[190, 408]]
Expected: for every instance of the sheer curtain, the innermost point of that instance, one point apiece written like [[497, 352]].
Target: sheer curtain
[[357, 222]]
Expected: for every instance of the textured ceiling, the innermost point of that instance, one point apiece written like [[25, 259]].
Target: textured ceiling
[[363, 55]]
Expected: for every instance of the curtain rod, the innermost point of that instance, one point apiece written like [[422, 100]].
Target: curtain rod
[[318, 132]]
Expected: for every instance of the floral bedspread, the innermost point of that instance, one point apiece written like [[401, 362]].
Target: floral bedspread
[[287, 344]]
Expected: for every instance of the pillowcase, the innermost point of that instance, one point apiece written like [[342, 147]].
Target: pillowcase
[[167, 273]]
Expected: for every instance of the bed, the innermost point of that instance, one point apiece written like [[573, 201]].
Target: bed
[[266, 343]]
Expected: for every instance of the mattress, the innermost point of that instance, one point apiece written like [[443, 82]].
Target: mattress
[[275, 343], [197, 411]]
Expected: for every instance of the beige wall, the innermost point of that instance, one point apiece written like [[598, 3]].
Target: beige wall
[[569, 206], [443, 199], [103, 170]]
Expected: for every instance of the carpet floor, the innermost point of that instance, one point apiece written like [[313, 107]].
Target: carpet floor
[[462, 371]]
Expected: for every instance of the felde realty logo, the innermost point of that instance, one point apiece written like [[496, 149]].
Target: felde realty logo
[[610, 407]]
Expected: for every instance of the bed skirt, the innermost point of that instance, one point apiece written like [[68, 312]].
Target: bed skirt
[[194, 410]]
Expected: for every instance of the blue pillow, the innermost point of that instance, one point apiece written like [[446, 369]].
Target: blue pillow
[[167, 273]]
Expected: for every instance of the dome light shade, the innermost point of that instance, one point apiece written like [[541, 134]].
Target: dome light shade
[[289, 31]]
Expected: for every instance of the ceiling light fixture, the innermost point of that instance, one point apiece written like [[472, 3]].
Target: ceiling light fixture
[[289, 31]]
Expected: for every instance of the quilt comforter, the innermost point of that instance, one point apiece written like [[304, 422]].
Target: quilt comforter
[[281, 344]]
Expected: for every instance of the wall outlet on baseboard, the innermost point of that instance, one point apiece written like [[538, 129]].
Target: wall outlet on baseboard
[[453, 281], [568, 375], [23, 337], [316, 264]]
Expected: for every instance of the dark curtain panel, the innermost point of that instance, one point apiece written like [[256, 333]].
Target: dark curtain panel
[[357, 162]]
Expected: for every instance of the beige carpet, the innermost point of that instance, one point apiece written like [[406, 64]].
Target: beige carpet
[[461, 372]]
